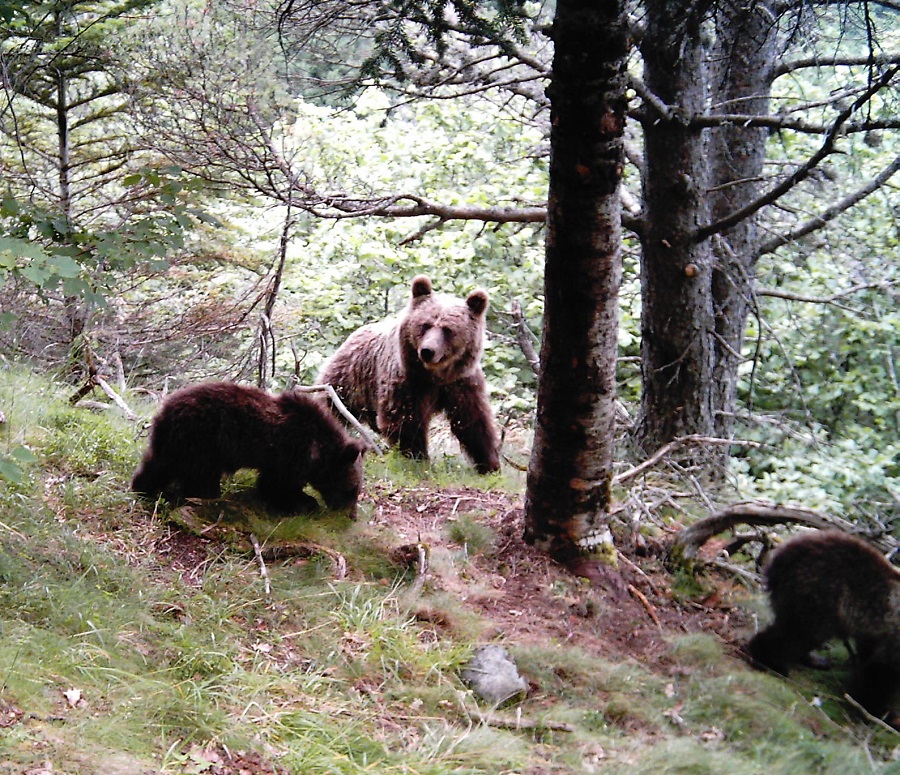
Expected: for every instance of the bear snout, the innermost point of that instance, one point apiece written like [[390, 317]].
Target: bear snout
[[431, 347]]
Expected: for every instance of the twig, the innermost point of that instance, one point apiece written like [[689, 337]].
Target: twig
[[13, 531], [671, 446], [648, 606], [115, 397], [421, 569], [637, 569], [303, 549], [874, 719], [263, 571], [504, 722]]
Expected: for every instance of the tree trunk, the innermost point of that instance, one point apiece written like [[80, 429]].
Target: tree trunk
[[569, 476], [745, 55], [677, 321]]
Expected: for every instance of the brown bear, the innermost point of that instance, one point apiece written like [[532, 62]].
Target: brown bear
[[398, 373], [828, 585], [204, 431]]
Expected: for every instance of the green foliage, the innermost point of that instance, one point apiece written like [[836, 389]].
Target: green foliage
[[471, 534], [479, 23]]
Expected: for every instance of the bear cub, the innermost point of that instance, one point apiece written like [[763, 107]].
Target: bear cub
[[827, 585], [398, 373], [204, 431]]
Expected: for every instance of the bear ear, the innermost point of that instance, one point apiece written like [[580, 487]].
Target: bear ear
[[421, 286], [477, 301]]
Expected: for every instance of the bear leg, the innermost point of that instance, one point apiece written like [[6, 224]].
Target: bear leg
[[151, 478], [201, 483], [875, 682], [778, 647], [283, 497], [404, 422], [472, 423]]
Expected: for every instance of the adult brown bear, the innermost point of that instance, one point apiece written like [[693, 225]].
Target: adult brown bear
[[204, 431], [397, 374], [826, 585]]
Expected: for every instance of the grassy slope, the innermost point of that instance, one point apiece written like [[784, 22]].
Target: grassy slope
[[112, 661]]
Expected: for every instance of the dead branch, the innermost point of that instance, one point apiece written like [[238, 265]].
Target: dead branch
[[834, 298], [804, 170], [519, 722], [95, 380], [670, 447], [830, 213], [525, 338], [377, 444], [648, 606], [286, 549], [263, 571], [687, 542]]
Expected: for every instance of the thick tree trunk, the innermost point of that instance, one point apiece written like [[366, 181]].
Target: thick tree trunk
[[676, 272], [741, 84], [568, 490]]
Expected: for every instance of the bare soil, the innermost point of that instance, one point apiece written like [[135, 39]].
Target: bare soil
[[527, 597]]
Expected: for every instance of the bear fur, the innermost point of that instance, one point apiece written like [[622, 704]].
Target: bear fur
[[827, 585], [204, 431], [398, 373]]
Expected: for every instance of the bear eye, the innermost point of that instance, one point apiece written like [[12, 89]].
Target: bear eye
[[448, 333], [425, 327]]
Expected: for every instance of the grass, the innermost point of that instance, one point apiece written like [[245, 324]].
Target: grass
[[109, 663]]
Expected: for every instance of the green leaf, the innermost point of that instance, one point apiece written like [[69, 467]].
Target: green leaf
[[63, 266]]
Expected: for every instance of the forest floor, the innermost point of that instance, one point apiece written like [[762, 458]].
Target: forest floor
[[144, 640], [521, 597], [525, 596]]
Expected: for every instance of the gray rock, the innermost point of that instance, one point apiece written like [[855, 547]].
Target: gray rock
[[493, 676]]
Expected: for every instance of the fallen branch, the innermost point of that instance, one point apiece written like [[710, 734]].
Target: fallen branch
[[505, 722], [115, 397], [687, 542], [95, 380], [283, 550], [648, 606]]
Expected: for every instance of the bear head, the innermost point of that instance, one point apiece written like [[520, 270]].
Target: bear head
[[340, 480], [442, 336]]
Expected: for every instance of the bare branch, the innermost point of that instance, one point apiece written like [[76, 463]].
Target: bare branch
[[376, 443], [668, 449], [784, 68], [820, 299], [802, 172], [832, 212]]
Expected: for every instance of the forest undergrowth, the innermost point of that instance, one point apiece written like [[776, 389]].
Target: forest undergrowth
[[153, 639]]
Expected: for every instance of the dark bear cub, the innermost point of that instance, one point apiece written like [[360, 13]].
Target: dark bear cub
[[829, 585], [204, 431], [397, 374]]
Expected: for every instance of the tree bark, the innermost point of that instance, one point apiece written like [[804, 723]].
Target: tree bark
[[570, 472], [744, 57], [676, 272]]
